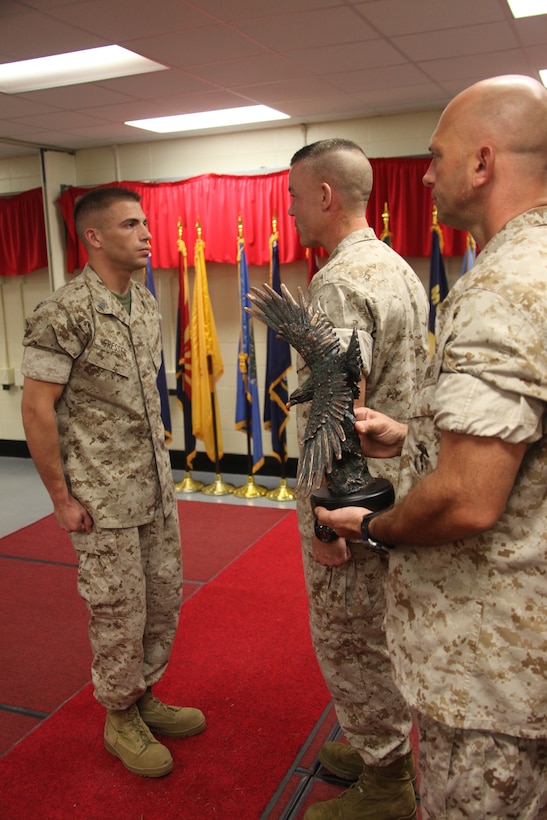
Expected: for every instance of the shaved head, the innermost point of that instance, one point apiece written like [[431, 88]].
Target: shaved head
[[343, 165], [490, 155], [510, 112]]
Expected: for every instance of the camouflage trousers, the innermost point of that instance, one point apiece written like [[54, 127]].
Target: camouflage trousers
[[346, 608], [131, 581], [477, 775]]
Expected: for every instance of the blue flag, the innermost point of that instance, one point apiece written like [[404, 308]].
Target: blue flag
[[469, 256], [247, 402], [278, 363], [162, 378], [438, 284]]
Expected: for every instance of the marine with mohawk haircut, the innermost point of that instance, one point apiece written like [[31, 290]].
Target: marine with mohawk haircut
[[367, 289]]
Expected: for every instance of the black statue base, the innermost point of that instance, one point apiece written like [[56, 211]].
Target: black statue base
[[377, 495]]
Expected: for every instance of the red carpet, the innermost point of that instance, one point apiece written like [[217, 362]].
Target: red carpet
[[243, 655], [44, 651]]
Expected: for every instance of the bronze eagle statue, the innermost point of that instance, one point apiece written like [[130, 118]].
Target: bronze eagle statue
[[330, 448]]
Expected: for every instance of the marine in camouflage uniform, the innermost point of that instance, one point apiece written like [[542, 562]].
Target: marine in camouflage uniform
[[365, 285], [467, 620], [117, 466], [91, 412]]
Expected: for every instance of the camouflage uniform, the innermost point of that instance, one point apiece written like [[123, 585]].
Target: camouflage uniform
[[467, 621], [365, 285], [116, 464]]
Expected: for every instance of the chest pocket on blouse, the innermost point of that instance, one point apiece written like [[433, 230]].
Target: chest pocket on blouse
[[113, 362], [102, 374]]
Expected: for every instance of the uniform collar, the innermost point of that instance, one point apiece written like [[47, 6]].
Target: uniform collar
[[533, 218], [103, 300], [362, 235]]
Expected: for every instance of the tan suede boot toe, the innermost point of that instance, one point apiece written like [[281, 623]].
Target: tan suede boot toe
[[172, 721], [128, 738]]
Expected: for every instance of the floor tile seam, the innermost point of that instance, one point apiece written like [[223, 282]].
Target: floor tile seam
[[23, 711], [307, 773], [29, 560]]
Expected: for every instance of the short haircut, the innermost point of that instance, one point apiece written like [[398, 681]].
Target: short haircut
[[318, 149], [344, 165], [97, 200]]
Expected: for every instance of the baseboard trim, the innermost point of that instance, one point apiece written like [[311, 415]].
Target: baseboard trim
[[230, 462]]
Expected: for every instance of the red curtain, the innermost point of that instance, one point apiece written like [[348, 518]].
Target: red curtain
[[23, 246], [218, 200], [398, 181]]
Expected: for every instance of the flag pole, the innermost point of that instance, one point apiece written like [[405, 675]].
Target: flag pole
[[250, 489], [218, 486], [385, 236], [438, 284], [282, 492], [188, 484]]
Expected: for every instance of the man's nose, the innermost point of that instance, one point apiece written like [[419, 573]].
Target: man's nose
[[428, 177]]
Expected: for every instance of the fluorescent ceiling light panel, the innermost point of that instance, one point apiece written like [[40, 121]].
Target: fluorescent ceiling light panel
[[527, 8], [209, 119], [72, 68]]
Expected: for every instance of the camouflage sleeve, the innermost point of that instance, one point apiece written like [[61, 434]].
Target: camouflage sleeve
[[347, 310], [463, 404], [493, 358], [492, 340], [51, 342]]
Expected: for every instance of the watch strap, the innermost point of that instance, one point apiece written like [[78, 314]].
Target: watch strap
[[370, 542]]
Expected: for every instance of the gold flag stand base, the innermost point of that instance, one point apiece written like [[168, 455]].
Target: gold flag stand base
[[188, 484], [218, 487], [250, 489], [282, 493]]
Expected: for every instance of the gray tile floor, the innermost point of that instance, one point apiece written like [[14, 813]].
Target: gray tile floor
[[24, 499]]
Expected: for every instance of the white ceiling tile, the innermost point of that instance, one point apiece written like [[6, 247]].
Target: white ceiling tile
[[24, 36], [157, 84], [317, 60], [122, 20], [398, 17], [318, 28], [457, 42], [258, 68], [348, 57], [471, 69], [206, 45], [386, 77]]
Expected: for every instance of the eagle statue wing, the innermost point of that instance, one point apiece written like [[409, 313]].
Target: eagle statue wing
[[331, 385], [296, 322]]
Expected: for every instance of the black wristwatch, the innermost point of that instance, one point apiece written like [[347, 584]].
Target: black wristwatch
[[324, 533], [371, 543]]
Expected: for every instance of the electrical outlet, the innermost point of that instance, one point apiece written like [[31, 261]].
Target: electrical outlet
[[7, 376]]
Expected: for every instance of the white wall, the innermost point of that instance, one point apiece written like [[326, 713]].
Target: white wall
[[250, 151]]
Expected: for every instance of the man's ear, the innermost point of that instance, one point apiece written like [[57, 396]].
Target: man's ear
[[484, 166], [326, 195], [92, 237]]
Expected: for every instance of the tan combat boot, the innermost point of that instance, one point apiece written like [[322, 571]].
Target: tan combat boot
[[172, 721], [341, 760], [384, 792], [347, 764], [126, 736]]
